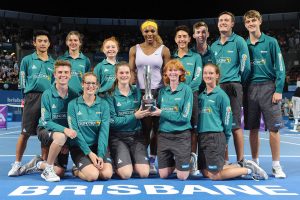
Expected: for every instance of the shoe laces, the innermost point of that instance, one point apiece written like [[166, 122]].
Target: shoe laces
[[50, 171], [278, 169]]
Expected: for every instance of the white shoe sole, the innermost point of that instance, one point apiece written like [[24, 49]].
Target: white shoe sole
[[50, 180]]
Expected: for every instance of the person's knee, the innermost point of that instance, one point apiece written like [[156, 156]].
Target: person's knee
[[164, 174], [90, 177], [59, 138], [143, 174], [106, 174], [125, 175], [182, 175]]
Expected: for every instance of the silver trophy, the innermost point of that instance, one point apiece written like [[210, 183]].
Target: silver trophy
[[148, 100]]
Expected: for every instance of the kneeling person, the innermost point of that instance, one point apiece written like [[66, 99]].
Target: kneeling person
[[53, 128], [214, 131]]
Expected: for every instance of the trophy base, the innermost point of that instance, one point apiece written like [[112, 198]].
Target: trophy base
[[148, 103]]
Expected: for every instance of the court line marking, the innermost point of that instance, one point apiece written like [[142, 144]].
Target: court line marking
[[10, 132], [280, 141], [290, 136], [14, 127]]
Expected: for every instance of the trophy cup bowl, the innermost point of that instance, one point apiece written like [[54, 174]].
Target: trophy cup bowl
[[148, 102]]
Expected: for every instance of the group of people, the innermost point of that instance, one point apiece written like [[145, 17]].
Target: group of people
[[98, 116]]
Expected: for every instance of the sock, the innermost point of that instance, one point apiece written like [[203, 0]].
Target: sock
[[152, 159], [49, 166], [17, 162], [241, 162], [38, 165], [275, 163], [249, 171], [256, 160]]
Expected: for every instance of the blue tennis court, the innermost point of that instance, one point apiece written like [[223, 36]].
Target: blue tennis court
[[34, 187]]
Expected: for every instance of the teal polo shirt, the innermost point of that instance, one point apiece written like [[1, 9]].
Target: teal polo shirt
[[207, 57], [79, 66], [215, 113], [176, 108], [105, 73], [233, 59], [122, 109], [267, 62], [192, 63], [54, 110], [91, 124], [36, 75]]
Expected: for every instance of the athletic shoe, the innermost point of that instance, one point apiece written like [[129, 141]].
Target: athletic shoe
[[50, 175], [15, 169], [194, 165], [153, 170], [278, 172], [257, 172], [31, 167]]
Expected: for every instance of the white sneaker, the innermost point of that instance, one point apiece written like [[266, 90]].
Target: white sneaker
[[153, 170], [194, 165], [278, 172], [31, 167], [257, 172], [50, 175], [15, 169]]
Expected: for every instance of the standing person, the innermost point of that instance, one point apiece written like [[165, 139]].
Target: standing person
[[105, 70], [126, 140], [214, 128], [201, 34], [232, 56], [192, 63], [53, 128], [265, 89], [89, 116], [36, 75], [175, 103], [151, 52], [79, 62]]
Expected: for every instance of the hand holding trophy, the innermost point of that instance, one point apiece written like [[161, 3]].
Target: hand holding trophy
[[148, 101]]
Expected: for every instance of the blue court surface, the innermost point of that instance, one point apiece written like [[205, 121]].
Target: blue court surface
[[31, 187]]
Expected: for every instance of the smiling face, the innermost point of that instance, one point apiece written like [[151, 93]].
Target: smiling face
[[252, 24], [201, 34], [149, 34], [211, 75], [90, 84], [73, 42], [182, 39], [123, 75], [173, 74], [225, 23], [110, 49], [62, 75]]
